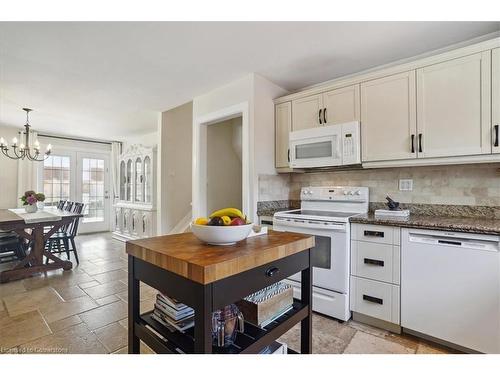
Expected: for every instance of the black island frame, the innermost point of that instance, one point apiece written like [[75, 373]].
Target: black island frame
[[210, 297]]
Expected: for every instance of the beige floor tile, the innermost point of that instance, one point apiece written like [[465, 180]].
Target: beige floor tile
[[428, 348], [90, 284], [113, 336], [107, 300], [106, 289], [408, 341], [329, 336], [21, 328], [123, 350], [70, 292], [31, 300], [146, 306], [2, 308], [59, 325], [58, 278], [55, 312], [11, 288], [111, 276], [105, 315], [75, 340], [123, 295], [98, 269], [124, 323], [364, 343]]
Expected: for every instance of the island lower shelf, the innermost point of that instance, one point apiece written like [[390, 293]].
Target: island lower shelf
[[251, 341]]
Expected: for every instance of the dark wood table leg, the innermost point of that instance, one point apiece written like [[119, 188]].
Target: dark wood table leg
[[133, 308], [306, 298], [203, 320]]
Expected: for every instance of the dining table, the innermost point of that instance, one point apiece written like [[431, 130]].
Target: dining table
[[36, 228]]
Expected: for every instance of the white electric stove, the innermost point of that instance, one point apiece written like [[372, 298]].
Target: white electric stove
[[325, 213]]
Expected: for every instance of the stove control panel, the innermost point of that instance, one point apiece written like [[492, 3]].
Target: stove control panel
[[335, 193]]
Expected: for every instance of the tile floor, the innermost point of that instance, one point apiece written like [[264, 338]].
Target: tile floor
[[85, 311]]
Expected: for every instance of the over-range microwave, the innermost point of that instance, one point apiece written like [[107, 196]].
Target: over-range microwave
[[326, 146]]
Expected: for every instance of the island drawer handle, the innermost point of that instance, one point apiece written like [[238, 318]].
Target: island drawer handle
[[379, 301], [272, 271], [375, 262]]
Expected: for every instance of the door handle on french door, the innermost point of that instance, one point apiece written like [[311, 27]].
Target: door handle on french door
[[496, 141], [413, 143], [319, 116], [420, 142]]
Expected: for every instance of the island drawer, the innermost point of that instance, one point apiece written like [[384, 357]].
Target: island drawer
[[230, 289], [376, 299], [376, 233], [375, 261]]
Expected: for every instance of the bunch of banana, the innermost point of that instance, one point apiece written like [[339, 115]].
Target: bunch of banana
[[231, 212]]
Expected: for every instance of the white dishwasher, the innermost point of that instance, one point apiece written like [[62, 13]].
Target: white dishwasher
[[450, 287]]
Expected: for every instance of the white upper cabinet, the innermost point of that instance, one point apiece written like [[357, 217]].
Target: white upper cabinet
[[341, 105], [307, 112], [283, 122], [495, 100], [453, 107], [388, 124]]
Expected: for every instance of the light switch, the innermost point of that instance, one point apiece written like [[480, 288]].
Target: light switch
[[405, 184]]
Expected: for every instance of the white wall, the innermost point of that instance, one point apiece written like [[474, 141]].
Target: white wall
[[258, 94], [224, 173], [174, 166], [8, 172], [149, 139]]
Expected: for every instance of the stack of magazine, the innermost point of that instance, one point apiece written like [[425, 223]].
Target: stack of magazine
[[173, 314]]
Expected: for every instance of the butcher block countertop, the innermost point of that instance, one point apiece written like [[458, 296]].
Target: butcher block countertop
[[185, 255]]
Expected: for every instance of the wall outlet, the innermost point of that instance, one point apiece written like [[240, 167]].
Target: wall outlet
[[405, 184]]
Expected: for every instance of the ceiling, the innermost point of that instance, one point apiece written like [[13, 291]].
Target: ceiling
[[109, 80]]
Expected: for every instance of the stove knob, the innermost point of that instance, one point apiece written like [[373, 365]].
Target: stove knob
[[358, 192], [351, 192], [346, 192]]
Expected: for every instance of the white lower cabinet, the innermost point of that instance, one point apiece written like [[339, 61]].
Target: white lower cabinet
[[375, 261], [375, 299], [133, 222], [375, 272]]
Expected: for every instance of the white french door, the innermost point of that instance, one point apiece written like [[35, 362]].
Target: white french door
[[92, 188], [81, 177]]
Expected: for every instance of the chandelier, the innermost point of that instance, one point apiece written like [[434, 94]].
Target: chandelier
[[25, 150]]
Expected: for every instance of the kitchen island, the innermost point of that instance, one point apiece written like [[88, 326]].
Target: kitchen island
[[207, 278]]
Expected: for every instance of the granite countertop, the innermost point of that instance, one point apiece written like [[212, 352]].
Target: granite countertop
[[459, 224]]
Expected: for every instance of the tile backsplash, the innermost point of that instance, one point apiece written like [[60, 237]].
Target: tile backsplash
[[474, 184]]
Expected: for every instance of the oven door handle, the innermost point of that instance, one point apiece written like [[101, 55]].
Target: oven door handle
[[309, 224]]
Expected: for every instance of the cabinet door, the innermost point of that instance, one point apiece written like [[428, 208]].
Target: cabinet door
[[453, 107], [388, 123], [305, 112], [495, 100], [283, 122], [341, 105]]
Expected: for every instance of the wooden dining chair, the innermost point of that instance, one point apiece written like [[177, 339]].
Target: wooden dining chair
[[64, 241]]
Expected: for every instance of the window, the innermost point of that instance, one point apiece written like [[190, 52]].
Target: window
[[56, 179]]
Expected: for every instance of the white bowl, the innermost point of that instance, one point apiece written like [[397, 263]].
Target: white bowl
[[221, 235]]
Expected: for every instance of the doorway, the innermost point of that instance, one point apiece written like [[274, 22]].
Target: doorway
[[202, 198], [224, 169], [81, 177]]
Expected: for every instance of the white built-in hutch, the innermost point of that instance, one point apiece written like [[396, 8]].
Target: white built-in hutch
[[134, 210]]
